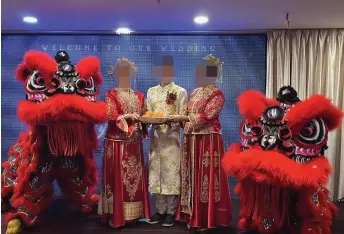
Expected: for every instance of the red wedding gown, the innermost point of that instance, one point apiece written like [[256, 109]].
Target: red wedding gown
[[124, 195], [205, 200]]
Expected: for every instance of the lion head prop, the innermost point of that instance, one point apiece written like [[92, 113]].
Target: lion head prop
[[280, 162]]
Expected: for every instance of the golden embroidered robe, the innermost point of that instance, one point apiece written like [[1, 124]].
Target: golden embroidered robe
[[124, 194], [205, 200], [164, 152]]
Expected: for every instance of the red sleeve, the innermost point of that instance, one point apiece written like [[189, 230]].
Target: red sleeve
[[113, 112], [211, 111], [112, 109]]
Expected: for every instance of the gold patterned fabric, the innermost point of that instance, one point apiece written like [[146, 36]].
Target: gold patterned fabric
[[164, 153], [124, 194], [121, 102], [203, 110], [204, 200], [133, 210]]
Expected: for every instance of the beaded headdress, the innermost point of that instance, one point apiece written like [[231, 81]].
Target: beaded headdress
[[217, 62], [111, 70]]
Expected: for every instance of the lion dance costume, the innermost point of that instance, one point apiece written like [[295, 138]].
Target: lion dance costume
[[61, 111], [280, 163]]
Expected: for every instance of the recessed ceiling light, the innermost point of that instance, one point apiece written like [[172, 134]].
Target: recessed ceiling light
[[123, 31], [30, 20], [201, 19]]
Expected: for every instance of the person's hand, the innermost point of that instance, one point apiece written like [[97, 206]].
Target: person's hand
[[132, 117], [180, 118], [170, 119]]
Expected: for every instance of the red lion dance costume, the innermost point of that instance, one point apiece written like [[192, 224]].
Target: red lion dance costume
[[61, 111], [280, 163]]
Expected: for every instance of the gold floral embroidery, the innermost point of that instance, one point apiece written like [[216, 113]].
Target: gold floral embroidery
[[109, 150], [164, 154], [111, 108], [214, 106], [156, 101], [206, 159], [185, 177], [216, 159], [217, 194], [129, 101], [205, 189], [200, 102], [132, 172]]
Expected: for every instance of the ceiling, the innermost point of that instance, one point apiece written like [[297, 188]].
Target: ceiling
[[174, 15]]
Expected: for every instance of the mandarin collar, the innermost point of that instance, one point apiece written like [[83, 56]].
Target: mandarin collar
[[167, 86], [208, 86]]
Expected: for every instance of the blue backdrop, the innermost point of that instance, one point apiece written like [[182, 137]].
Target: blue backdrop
[[244, 67]]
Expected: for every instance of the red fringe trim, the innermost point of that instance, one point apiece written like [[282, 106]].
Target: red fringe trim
[[257, 198], [69, 139]]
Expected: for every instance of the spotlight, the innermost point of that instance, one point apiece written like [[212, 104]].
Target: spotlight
[[123, 31], [30, 20], [201, 19]]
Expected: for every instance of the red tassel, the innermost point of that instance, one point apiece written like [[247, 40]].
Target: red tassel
[[263, 200], [69, 139]]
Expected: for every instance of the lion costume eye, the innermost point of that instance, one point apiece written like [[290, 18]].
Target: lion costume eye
[[87, 85], [314, 132], [90, 87], [36, 82], [246, 129], [81, 83]]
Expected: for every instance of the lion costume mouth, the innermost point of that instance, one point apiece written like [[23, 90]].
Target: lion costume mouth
[[62, 108], [275, 168]]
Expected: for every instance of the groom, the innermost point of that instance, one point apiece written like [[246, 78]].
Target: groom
[[164, 154]]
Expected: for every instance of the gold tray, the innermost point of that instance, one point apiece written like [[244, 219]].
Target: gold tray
[[153, 120]]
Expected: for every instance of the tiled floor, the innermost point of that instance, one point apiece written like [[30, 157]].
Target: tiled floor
[[60, 221]]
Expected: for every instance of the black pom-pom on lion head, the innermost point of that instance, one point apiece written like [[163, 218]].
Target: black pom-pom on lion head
[[288, 95]]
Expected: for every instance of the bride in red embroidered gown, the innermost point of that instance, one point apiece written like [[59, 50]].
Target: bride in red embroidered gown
[[124, 195], [205, 201]]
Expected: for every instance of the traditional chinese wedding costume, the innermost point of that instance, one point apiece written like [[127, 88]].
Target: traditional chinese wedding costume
[[205, 200], [124, 195], [164, 155]]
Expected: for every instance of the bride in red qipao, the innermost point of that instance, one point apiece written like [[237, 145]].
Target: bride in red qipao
[[124, 195], [205, 201]]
